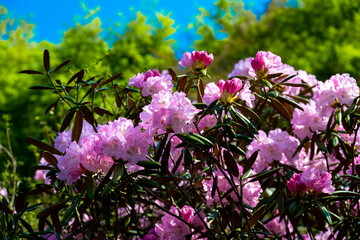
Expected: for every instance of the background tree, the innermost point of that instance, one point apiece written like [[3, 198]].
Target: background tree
[[319, 37]]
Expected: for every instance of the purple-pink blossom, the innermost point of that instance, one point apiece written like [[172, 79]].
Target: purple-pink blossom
[[228, 91], [265, 63], [197, 60], [171, 228], [311, 179], [278, 145], [251, 190], [152, 82], [168, 111], [241, 68], [339, 88]]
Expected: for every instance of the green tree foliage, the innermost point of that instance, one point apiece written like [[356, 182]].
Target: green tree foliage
[[143, 46], [321, 37]]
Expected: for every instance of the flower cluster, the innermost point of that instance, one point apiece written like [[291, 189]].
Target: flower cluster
[[229, 156], [311, 181], [197, 60], [152, 82], [168, 111]]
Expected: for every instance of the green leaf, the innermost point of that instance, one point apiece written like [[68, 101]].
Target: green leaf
[[118, 172], [149, 164], [264, 174], [338, 116], [324, 212], [147, 183], [208, 109], [165, 159]]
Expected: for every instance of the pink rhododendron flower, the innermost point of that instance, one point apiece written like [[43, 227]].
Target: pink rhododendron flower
[[296, 184], [265, 63], [63, 140], [356, 163], [168, 111], [197, 60], [69, 164], [206, 122], [313, 180], [251, 190], [211, 93], [152, 82], [241, 68], [278, 145], [309, 121], [119, 139], [316, 181], [3, 192], [277, 227], [171, 228], [40, 175], [340, 88], [228, 91]]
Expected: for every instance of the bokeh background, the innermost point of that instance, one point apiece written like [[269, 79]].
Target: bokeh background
[[107, 37]]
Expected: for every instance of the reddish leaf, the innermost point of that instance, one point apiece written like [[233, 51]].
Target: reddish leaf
[[51, 159], [61, 65], [111, 79], [56, 222], [88, 115], [165, 159], [181, 84], [67, 120], [31, 72], [118, 101], [43, 146], [102, 111], [172, 74], [53, 208], [250, 161], [54, 105], [76, 75], [46, 60], [76, 131], [231, 164], [41, 87]]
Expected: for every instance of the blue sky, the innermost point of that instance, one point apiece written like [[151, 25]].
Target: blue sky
[[52, 18]]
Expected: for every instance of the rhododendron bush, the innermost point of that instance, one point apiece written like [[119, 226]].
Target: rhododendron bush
[[269, 152]]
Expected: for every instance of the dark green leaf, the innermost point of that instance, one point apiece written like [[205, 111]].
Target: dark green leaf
[[208, 109], [165, 159], [324, 212], [264, 174], [149, 164], [147, 183]]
